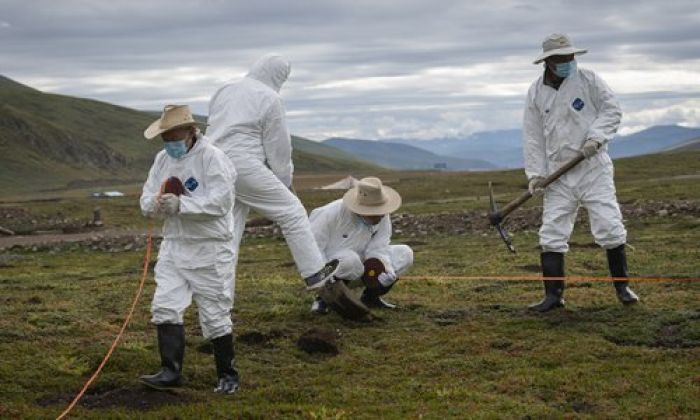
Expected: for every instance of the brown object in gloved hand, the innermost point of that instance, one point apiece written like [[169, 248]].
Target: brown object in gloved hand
[[339, 298], [172, 185], [373, 268]]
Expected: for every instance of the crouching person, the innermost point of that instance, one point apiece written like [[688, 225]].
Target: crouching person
[[356, 230], [190, 186]]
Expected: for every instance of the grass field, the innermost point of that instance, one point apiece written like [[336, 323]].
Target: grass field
[[458, 349]]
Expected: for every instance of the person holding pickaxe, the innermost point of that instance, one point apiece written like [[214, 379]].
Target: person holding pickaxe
[[571, 112]]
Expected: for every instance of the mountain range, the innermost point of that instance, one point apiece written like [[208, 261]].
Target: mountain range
[[52, 141], [503, 148], [396, 155]]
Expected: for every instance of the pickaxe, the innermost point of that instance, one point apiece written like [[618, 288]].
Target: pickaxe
[[497, 216]]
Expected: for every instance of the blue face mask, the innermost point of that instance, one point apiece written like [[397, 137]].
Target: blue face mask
[[176, 149], [565, 69]]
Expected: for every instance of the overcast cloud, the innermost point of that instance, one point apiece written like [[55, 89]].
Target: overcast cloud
[[363, 69]]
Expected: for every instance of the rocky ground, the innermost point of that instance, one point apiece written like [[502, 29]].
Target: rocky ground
[[57, 232]]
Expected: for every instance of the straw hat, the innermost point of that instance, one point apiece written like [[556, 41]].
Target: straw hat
[[370, 198], [174, 116], [557, 44]]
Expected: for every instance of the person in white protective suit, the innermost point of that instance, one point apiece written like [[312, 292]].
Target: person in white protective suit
[[570, 110], [247, 121], [190, 187], [356, 230]]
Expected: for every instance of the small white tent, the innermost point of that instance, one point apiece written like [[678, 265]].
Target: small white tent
[[344, 184]]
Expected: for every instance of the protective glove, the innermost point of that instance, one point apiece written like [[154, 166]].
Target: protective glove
[[169, 204], [590, 148], [387, 278], [534, 187]]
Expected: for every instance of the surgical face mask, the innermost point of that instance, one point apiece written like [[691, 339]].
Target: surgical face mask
[[176, 149], [565, 69], [369, 222]]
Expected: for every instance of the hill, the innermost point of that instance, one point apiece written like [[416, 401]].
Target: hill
[[313, 157], [54, 141], [689, 146], [502, 148], [652, 140], [403, 156]]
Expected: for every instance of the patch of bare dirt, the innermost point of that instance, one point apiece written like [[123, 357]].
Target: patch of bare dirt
[[317, 340], [135, 398]]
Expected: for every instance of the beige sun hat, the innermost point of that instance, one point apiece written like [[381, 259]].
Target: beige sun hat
[[370, 198], [557, 44], [174, 116]]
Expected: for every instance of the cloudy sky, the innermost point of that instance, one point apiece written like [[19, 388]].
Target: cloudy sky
[[360, 68]]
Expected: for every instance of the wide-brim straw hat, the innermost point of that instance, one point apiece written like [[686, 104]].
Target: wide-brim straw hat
[[370, 198], [558, 44], [174, 116]]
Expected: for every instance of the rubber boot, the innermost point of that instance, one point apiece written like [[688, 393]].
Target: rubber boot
[[371, 297], [171, 344], [552, 266], [617, 262], [224, 358]]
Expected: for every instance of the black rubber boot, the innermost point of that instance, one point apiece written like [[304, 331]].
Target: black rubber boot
[[224, 357], [617, 262], [371, 297], [171, 344], [319, 306], [552, 266]]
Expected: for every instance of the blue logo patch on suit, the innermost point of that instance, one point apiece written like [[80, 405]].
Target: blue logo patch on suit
[[191, 184]]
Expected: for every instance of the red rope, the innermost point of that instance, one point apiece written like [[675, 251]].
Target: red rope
[[115, 343]]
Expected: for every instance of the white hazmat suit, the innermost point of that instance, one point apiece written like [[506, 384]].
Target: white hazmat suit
[[247, 121], [196, 258], [556, 125], [346, 236]]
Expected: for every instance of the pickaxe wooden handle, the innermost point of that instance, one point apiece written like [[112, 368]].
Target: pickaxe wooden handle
[[496, 215]]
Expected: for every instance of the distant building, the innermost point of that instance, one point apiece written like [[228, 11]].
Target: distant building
[[107, 194], [440, 165]]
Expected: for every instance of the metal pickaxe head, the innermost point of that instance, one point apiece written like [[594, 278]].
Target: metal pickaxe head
[[496, 218]]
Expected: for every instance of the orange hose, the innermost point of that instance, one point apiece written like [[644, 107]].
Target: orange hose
[[115, 343], [572, 279]]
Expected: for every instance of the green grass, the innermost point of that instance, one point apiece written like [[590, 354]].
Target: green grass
[[454, 349]]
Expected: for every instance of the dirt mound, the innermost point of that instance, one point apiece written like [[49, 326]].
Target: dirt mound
[[318, 340], [22, 221], [135, 398]]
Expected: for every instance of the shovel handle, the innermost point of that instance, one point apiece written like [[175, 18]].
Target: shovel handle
[[508, 208], [561, 171]]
